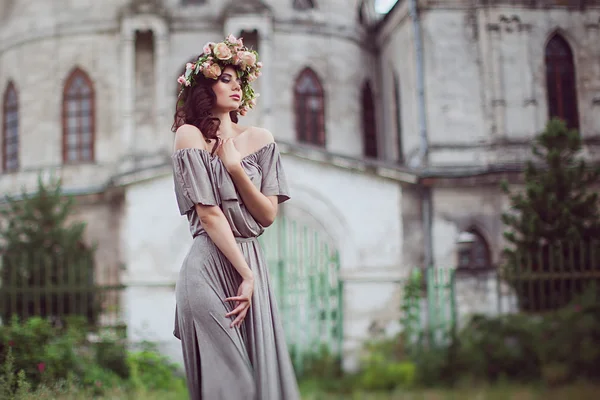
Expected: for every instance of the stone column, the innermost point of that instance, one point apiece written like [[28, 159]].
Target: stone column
[[127, 84], [530, 102], [498, 100], [266, 80], [163, 87]]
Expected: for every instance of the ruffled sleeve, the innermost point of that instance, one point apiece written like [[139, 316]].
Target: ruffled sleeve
[[194, 180], [274, 182]]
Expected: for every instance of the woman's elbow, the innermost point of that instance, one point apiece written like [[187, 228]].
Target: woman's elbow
[[208, 215], [268, 220]]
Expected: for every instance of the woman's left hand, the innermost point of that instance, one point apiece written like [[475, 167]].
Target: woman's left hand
[[229, 155]]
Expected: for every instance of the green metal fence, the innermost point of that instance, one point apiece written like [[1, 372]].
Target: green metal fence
[[544, 278], [550, 276], [441, 305], [304, 269], [56, 287], [428, 308]]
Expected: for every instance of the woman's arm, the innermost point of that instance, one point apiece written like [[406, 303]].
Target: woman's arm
[[215, 224], [261, 207], [212, 218]]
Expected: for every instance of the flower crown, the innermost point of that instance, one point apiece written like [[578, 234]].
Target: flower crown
[[217, 56]]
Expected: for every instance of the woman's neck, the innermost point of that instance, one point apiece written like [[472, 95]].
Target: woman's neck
[[227, 127]]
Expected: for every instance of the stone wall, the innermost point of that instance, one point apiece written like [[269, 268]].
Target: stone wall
[[485, 83]]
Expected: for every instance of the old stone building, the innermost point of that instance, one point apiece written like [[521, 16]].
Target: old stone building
[[395, 131]]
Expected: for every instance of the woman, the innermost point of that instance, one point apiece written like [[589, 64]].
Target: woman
[[228, 182]]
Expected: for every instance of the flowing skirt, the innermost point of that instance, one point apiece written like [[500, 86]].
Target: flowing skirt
[[246, 363]]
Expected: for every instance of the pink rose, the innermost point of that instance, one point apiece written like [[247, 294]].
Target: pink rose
[[251, 78], [259, 64], [248, 58], [208, 47], [181, 80], [222, 51], [212, 72], [231, 39]]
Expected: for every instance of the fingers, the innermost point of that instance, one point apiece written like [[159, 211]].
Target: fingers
[[241, 316], [241, 309], [236, 310], [219, 145], [237, 298]]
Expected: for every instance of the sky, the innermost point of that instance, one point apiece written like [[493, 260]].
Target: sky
[[383, 6]]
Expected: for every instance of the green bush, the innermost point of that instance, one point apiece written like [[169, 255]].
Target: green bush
[[152, 371], [37, 354], [112, 356], [500, 348], [385, 366], [44, 352], [557, 347]]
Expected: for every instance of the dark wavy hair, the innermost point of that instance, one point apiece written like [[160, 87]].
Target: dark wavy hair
[[194, 106]]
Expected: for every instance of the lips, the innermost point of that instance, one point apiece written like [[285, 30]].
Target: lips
[[235, 96]]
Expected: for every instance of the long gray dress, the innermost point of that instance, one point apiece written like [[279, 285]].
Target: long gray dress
[[252, 361]]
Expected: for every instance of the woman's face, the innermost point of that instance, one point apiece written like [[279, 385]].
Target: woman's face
[[228, 91]]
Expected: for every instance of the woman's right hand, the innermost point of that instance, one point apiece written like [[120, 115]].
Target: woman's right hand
[[243, 301]]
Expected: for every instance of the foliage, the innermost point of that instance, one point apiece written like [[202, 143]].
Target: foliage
[[556, 207], [412, 334], [42, 351], [384, 366], [42, 355], [556, 348], [44, 253], [151, 371]]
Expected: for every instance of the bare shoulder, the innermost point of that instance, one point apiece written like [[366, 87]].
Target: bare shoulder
[[260, 137], [188, 136]]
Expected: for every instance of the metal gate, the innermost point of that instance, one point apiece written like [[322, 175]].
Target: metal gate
[[304, 268]]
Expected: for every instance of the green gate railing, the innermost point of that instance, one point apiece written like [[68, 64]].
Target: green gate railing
[[429, 308], [304, 270]]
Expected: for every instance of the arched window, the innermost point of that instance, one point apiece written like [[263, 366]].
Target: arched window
[[369, 127], [10, 129], [310, 108], [398, 118], [473, 251], [303, 4], [560, 81], [78, 118]]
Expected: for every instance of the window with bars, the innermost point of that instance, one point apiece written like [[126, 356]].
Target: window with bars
[[561, 82], [303, 4], [369, 126], [309, 108], [78, 118], [10, 130], [473, 252]]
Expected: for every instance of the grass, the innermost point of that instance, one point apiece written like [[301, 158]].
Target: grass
[[575, 392]]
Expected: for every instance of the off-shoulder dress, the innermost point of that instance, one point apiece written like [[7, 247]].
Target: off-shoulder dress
[[250, 362]]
